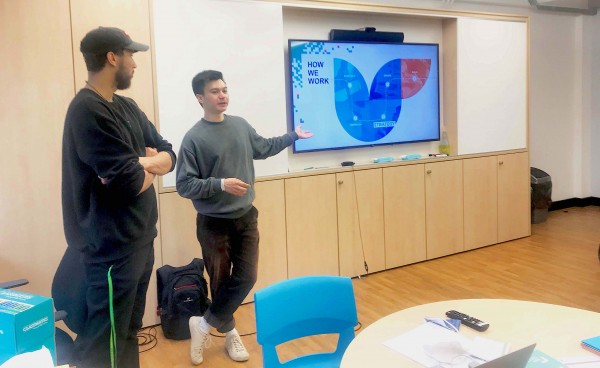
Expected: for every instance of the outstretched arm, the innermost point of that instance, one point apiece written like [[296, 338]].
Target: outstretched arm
[[267, 147]]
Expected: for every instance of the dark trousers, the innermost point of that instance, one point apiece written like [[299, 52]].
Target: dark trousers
[[130, 277], [230, 252]]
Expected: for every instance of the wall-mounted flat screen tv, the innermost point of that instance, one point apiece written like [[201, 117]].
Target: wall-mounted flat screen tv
[[354, 94]]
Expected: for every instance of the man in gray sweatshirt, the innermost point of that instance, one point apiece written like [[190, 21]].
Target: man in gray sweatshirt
[[215, 170]]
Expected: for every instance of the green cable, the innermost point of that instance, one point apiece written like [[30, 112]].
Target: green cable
[[113, 334]]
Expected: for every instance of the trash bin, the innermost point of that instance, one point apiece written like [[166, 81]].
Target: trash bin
[[541, 195]]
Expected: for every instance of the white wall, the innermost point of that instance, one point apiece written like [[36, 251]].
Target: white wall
[[564, 92], [555, 115], [591, 102]]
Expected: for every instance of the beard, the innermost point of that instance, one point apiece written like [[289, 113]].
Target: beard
[[122, 79]]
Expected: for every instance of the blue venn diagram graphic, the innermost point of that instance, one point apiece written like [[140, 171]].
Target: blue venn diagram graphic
[[369, 113]]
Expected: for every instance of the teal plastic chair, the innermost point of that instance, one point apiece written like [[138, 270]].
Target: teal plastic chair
[[301, 307]]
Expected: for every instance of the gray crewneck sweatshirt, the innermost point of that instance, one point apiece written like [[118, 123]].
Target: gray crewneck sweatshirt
[[211, 151]]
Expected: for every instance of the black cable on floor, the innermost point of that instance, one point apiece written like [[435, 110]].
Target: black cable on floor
[[358, 326], [147, 339]]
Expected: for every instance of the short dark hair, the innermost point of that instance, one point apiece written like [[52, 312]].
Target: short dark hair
[[202, 78], [95, 62]]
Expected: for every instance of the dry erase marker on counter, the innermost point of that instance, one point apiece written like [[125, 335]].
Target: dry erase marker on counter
[[383, 159], [413, 156]]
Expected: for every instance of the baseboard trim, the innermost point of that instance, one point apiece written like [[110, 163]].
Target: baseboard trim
[[574, 202]]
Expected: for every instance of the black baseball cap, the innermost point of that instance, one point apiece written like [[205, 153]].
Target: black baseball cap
[[104, 39]]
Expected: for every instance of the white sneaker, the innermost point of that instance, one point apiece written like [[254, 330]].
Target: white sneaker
[[199, 340], [235, 348]]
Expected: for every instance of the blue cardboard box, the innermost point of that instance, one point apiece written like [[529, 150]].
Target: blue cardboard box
[[26, 323]]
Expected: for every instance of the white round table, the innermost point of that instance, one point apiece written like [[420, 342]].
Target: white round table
[[556, 329]]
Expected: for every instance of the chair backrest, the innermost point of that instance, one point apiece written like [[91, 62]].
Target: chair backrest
[[13, 283], [301, 307]]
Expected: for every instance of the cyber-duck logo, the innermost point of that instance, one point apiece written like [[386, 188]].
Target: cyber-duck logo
[[371, 114]]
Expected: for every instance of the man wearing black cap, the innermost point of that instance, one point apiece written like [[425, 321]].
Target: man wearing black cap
[[111, 155]]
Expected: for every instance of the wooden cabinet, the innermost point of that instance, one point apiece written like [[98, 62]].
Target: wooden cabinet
[[391, 216], [497, 199], [360, 220], [404, 215], [311, 224], [480, 201], [444, 208], [514, 198], [270, 203]]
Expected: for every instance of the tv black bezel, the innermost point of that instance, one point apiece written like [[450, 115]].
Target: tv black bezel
[[290, 106]]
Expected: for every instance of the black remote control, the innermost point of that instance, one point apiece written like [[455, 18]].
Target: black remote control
[[468, 321]]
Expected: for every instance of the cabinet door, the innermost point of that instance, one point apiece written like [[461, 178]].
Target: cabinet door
[[444, 208], [272, 258], [481, 201], [514, 198], [360, 222], [404, 213], [311, 222]]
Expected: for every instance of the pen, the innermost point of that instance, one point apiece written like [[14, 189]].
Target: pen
[[450, 326], [442, 323]]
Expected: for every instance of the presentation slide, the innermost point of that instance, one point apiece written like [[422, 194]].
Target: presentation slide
[[364, 94]]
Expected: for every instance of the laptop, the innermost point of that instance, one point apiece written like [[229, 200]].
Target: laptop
[[516, 359]]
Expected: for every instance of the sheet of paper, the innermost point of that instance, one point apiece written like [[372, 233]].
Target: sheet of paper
[[39, 359], [488, 349], [411, 344], [587, 361], [419, 343]]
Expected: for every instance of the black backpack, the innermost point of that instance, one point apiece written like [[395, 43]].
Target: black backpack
[[182, 293]]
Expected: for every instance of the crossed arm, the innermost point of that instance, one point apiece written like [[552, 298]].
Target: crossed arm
[[154, 163]]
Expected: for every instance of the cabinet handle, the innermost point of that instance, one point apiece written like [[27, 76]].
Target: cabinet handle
[[501, 163], [340, 182], [428, 171]]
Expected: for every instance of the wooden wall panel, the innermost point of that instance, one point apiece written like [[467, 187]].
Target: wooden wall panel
[[133, 16], [178, 230], [36, 70]]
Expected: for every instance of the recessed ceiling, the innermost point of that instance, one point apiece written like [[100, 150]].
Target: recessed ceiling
[[587, 7]]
